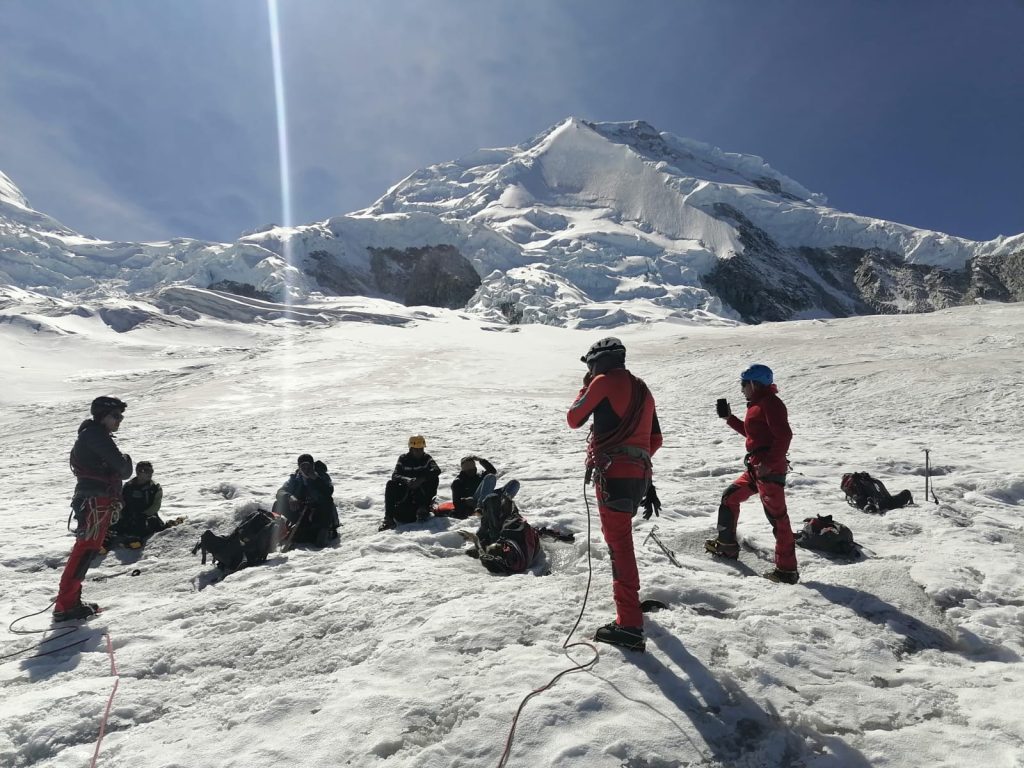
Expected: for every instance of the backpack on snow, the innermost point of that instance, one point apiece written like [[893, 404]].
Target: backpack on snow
[[249, 544], [826, 535], [506, 543], [870, 494]]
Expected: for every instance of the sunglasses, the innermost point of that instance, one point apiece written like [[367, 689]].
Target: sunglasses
[[116, 416]]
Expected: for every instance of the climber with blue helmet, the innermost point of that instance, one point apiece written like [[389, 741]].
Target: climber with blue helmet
[[766, 428]]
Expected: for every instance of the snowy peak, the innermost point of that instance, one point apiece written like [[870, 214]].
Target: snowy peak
[[686, 157], [18, 219], [10, 194]]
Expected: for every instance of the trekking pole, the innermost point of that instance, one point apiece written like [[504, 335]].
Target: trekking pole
[[927, 472]]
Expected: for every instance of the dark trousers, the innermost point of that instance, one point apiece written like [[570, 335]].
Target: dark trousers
[[402, 502]]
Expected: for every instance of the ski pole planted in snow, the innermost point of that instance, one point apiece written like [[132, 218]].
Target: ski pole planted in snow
[[927, 471], [927, 478]]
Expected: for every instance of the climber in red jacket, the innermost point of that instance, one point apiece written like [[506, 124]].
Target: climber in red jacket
[[623, 436], [766, 428]]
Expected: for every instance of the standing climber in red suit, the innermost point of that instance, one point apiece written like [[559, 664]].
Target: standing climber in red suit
[[99, 468], [623, 436], [766, 428]]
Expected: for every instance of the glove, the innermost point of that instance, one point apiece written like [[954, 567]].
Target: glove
[[587, 378], [722, 406], [652, 504]]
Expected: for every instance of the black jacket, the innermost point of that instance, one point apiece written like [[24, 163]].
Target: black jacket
[[97, 463], [465, 485], [410, 467], [142, 500]]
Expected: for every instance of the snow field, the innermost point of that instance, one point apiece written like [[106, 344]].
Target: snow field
[[394, 648]]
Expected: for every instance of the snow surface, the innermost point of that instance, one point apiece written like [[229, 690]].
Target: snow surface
[[395, 649]]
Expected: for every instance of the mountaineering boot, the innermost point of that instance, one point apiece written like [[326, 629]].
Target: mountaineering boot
[[77, 612], [387, 525], [630, 638], [719, 548], [422, 515], [780, 576]]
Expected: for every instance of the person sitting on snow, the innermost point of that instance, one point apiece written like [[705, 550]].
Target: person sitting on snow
[[465, 485], [306, 501], [505, 543], [409, 494], [139, 518]]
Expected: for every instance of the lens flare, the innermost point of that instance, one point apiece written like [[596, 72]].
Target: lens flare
[[284, 161]]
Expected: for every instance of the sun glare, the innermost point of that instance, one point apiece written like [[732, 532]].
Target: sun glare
[[284, 162]]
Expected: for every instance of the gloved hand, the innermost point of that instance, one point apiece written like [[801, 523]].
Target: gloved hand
[[722, 406], [587, 378], [651, 502]]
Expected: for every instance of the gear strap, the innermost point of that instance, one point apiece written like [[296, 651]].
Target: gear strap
[[602, 449]]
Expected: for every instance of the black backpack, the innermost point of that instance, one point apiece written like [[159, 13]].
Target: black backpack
[[249, 544], [826, 535], [870, 494]]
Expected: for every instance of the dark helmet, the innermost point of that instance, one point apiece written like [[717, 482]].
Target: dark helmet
[[144, 466], [762, 374], [604, 348], [105, 404], [305, 459]]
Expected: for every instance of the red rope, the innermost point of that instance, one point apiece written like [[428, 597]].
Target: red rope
[[110, 701]]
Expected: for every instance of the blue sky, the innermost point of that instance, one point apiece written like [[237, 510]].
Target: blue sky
[[147, 119]]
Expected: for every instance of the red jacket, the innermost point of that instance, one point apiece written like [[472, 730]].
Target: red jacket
[[607, 398], [766, 427]]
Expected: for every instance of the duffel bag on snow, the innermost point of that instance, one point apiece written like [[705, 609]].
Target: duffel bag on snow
[[826, 535]]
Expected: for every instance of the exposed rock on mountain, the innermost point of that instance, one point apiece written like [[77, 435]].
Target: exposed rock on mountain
[[437, 276]]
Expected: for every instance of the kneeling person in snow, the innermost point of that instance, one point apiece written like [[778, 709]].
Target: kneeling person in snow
[[139, 518], [766, 428], [505, 542], [306, 501], [409, 494]]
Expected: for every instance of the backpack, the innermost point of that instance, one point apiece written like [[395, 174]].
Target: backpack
[[249, 544], [514, 551], [507, 543], [870, 494], [826, 535]]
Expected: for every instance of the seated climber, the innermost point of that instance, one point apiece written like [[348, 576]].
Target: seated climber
[[465, 485], [306, 501], [505, 543], [139, 518], [409, 494]]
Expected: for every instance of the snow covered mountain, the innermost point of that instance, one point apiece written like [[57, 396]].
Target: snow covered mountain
[[586, 225]]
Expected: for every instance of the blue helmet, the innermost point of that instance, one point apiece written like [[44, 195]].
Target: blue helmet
[[762, 374]]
